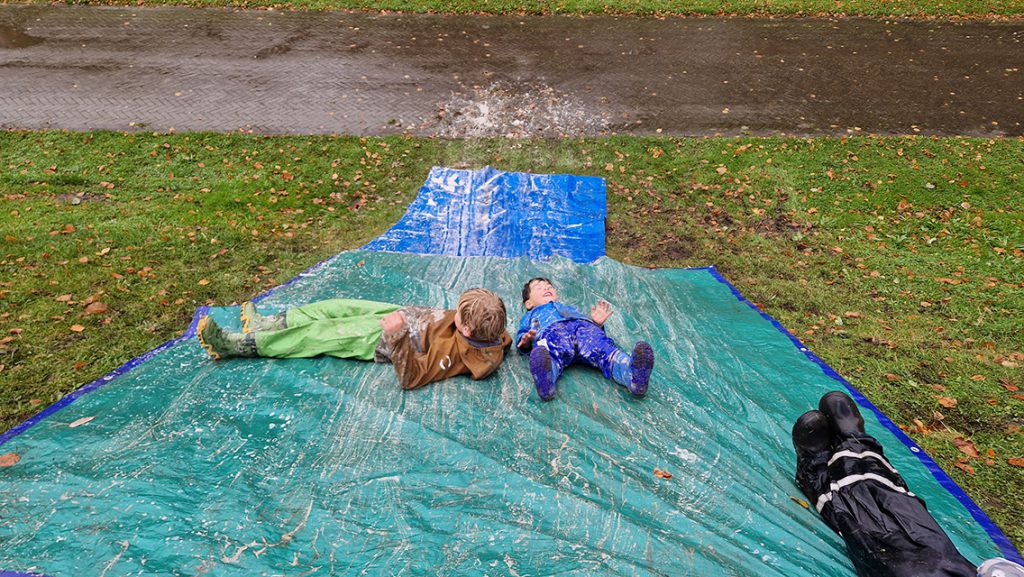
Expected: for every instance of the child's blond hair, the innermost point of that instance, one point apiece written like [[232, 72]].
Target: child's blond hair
[[484, 313]]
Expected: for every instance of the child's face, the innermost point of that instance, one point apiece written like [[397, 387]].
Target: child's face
[[541, 293]]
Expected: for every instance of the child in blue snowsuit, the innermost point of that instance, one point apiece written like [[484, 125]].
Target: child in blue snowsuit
[[556, 334]]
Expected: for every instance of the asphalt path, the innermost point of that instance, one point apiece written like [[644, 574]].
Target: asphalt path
[[84, 68]]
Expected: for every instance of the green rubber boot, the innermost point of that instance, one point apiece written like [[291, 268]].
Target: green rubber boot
[[222, 344], [253, 322]]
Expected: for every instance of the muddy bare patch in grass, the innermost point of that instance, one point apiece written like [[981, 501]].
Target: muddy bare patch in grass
[[80, 198], [781, 226]]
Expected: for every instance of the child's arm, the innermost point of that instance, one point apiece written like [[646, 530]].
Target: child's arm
[[416, 369], [600, 312], [526, 334]]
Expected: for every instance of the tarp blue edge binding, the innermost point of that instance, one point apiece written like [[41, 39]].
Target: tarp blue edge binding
[[105, 379], [1002, 541]]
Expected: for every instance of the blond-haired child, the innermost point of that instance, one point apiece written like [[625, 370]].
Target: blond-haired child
[[424, 344]]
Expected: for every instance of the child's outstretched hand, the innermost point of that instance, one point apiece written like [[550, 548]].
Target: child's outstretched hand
[[600, 312], [527, 339], [393, 322]]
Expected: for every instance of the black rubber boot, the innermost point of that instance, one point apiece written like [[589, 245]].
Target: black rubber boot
[[812, 439], [842, 412]]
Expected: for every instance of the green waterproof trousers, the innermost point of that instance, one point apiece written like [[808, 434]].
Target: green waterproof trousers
[[345, 328]]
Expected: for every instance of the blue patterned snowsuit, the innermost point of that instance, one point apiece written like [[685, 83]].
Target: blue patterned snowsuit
[[569, 335]]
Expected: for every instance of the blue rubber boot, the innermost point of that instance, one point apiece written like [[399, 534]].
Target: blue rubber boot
[[540, 369], [640, 367]]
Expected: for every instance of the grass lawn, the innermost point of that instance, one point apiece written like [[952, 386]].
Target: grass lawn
[[903, 8], [900, 261]]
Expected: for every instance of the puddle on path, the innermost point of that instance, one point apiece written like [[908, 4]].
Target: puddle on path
[[11, 37], [517, 110]]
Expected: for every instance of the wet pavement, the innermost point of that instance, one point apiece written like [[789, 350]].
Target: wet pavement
[[301, 73]]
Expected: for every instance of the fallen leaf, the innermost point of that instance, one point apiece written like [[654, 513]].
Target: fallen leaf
[[81, 422], [891, 377], [96, 308], [1016, 461], [978, 378], [79, 365], [721, 170], [800, 502], [9, 459], [204, 282], [64, 298], [92, 298], [77, 328], [662, 474], [360, 263], [948, 402], [964, 467], [966, 447], [851, 315]]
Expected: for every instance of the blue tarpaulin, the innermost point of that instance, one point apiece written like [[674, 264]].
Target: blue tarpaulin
[[489, 212]]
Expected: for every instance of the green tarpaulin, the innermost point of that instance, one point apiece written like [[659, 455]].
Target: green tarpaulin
[[325, 467]]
